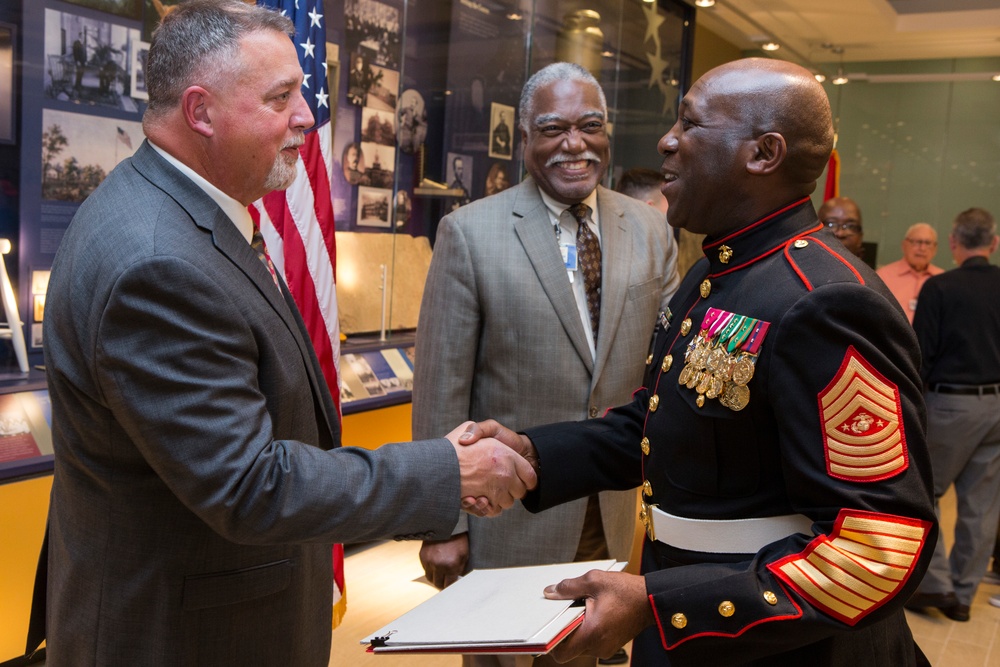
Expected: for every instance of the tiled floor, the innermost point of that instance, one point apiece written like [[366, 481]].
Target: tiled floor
[[385, 580]]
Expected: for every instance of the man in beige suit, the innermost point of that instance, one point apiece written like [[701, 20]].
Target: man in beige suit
[[507, 329]]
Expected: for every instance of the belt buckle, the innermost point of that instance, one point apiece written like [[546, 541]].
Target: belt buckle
[[646, 516]]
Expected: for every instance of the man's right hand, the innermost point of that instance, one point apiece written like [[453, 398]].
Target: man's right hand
[[493, 476], [444, 560]]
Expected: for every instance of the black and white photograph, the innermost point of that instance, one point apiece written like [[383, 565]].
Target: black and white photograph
[[373, 207], [86, 60], [412, 116], [359, 79], [353, 161], [7, 33], [78, 151], [372, 28], [383, 89], [378, 127], [138, 50], [129, 9], [458, 173], [501, 131], [401, 212], [380, 164]]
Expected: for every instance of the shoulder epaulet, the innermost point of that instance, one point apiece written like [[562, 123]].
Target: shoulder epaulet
[[814, 262]]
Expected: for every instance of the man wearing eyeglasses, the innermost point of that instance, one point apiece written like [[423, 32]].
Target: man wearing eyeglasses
[[843, 217], [906, 276]]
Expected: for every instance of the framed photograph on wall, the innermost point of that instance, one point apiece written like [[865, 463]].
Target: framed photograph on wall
[[7, 34], [501, 131]]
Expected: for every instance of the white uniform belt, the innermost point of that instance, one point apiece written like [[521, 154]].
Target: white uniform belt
[[729, 536]]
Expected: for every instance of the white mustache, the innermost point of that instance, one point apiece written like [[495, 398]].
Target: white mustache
[[566, 157]]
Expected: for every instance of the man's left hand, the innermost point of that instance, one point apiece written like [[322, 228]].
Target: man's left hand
[[617, 610]]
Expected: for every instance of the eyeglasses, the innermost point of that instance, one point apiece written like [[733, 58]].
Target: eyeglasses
[[921, 242], [850, 227]]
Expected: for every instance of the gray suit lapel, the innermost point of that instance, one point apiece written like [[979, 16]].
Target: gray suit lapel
[[206, 214], [616, 260], [534, 229]]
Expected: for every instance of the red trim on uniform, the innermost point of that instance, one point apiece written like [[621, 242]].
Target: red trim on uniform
[[795, 267], [743, 230], [656, 619], [841, 259], [843, 515], [784, 617]]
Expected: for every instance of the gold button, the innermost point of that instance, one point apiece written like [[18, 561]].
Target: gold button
[[725, 254], [686, 327], [801, 243], [649, 359], [700, 401], [706, 288], [593, 411], [727, 608], [679, 621], [770, 598], [647, 488], [644, 444], [668, 361], [654, 402]]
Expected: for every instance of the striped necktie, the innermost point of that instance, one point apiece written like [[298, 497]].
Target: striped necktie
[[257, 243]]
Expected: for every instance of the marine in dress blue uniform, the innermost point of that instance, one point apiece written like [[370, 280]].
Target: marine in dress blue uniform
[[778, 438]]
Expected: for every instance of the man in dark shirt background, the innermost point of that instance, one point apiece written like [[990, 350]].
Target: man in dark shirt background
[[958, 325]]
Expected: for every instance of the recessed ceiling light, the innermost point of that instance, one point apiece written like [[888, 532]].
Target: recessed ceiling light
[[705, 3], [996, 77], [839, 80], [770, 46], [820, 77]]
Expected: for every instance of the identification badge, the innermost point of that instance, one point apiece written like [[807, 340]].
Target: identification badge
[[569, 255]]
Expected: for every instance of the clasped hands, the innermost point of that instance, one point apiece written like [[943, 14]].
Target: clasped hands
[[497, 466], [616, 602]]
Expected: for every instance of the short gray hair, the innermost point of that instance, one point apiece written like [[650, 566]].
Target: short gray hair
[[548, 75], [200, 38], [974, 228]]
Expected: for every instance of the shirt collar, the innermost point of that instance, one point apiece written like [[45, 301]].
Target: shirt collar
[[556, 208], [234, 210]]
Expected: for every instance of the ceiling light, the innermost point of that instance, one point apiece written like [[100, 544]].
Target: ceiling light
[[770, 46], [514, 16], [996, 77], [649, 2], [705, 3], [840, 79], [820, 77]]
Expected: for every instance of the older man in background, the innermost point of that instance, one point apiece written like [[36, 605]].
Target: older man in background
[[843, 217], [906, 276]]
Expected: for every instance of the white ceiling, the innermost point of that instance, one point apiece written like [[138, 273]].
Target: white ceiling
[[866, 30]]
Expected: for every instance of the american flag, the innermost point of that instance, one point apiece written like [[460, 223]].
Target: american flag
[[297, 224]]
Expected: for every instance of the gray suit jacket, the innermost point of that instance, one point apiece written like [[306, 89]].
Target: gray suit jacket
[[198, 481], [500, 337]]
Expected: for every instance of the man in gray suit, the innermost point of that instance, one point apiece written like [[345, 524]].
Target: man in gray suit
[[198, 482], [506, 329]]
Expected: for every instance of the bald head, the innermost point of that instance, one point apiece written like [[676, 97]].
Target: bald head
[[758, 130], [784, 98]]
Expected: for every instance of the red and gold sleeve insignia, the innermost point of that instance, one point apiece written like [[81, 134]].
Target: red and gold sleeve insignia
[[862, 421], [858, 567]]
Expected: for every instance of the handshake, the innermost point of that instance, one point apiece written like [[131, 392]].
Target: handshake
[[497, 466]]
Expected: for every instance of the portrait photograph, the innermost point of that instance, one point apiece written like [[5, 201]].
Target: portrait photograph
[[359, 79], [501, 131], [458, 173], [378, 127], [383, 89], [497, 179], [412, 117], [372, 28], [373, 207], [353, 161], [401, 212], [79, 151]]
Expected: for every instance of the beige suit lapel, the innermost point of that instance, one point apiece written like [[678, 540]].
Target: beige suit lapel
[[616, 258], [534, 229]]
